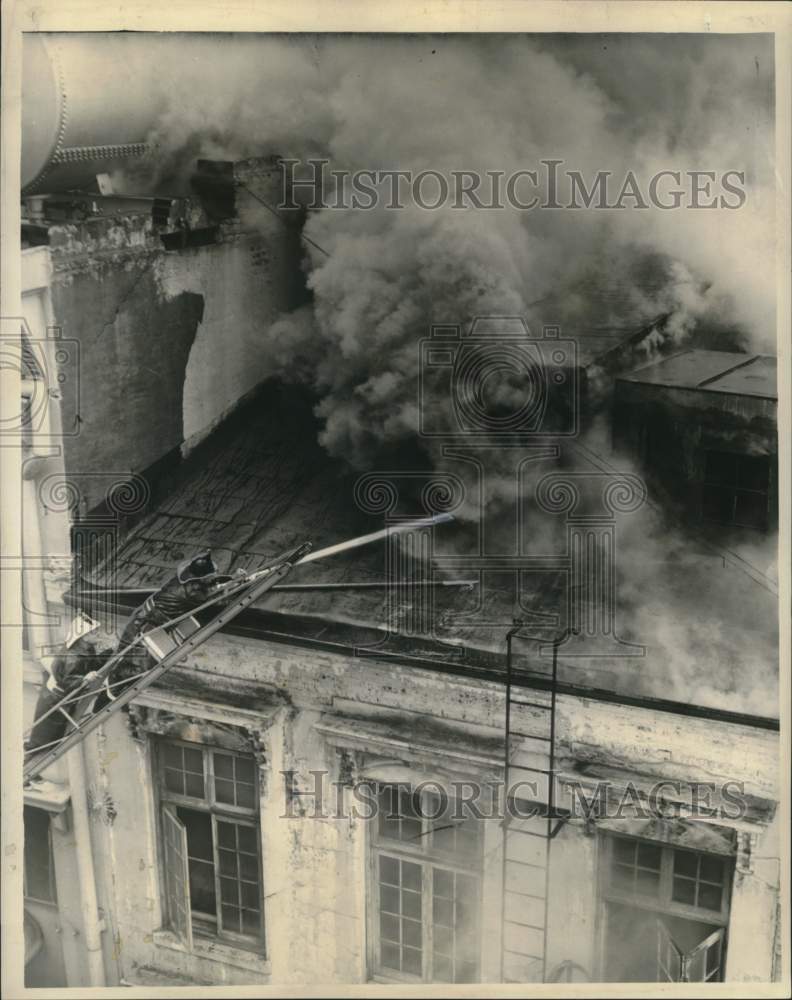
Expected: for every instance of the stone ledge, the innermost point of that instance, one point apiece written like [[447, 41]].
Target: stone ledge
[[215, 951]]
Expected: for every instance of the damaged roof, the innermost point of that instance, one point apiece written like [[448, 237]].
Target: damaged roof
[[712, 371], [261, 484]]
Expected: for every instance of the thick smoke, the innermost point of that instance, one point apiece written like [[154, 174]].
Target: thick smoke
[[449, 103], [491, 103]]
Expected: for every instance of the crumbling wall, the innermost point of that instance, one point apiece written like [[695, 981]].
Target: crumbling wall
[[169, 341]]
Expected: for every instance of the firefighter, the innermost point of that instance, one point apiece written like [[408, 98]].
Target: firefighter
[[194, 582], [85, 651]]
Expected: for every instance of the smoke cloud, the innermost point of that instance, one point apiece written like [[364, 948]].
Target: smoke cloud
[[447, 103]]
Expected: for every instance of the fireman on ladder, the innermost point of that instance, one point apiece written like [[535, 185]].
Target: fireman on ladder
[[194, 582], [85, 651]]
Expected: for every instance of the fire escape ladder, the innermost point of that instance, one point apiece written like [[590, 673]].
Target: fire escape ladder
[[531, 821], [167, 645]]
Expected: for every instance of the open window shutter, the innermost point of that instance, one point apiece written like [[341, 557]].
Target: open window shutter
[[703, 964], [177, 874], [669, 957]]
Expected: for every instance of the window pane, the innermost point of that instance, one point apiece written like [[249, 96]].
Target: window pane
[[455, 927], [443, 883], [711, 869], [411, 929], [443, 969], [224, 766], [250, 895], [389, 870], [245, 796], [411, 904], [443, 911], [248, 867], [390, 927], [624, 850], [685, 863], [649, 856], [183, 770], [709, 896], [239, 882], [231, 920], [466, 973], [224, 791], [229, 890], [251, 922], [174, 781], [194, 785], [647, 883], [390, 955], [684, 891], [400, 915], [623, 878], [244, 770], [225, 835], [443, 940], [389, 899], [411, 876], [411, 961], [228, 863], [247, 839]]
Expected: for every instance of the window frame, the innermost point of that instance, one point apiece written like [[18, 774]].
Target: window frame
[[664, 901], [51, 875], [422, 853], [203, 925]]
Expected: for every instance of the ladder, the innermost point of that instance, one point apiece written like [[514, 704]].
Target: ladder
[[529, 824], [171, 642], [167, 645]]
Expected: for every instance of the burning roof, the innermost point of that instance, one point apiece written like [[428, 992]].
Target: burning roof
[[261, 484]]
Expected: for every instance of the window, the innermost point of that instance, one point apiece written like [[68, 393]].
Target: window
[[426, 858], [685, 881], [736, 488], [39, 873], [667, 912], [211, 842]]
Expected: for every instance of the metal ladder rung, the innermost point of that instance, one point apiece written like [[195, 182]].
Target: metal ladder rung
[[530, 736], [522, 954], [528, 895], [525, 767], [531, 704], [519, 923], [526, 864], [529, 833]]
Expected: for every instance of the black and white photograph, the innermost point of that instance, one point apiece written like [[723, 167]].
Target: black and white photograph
[[396, 501]]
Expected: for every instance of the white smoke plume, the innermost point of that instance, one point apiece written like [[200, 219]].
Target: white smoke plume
[[490, 103], [445, 103]]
